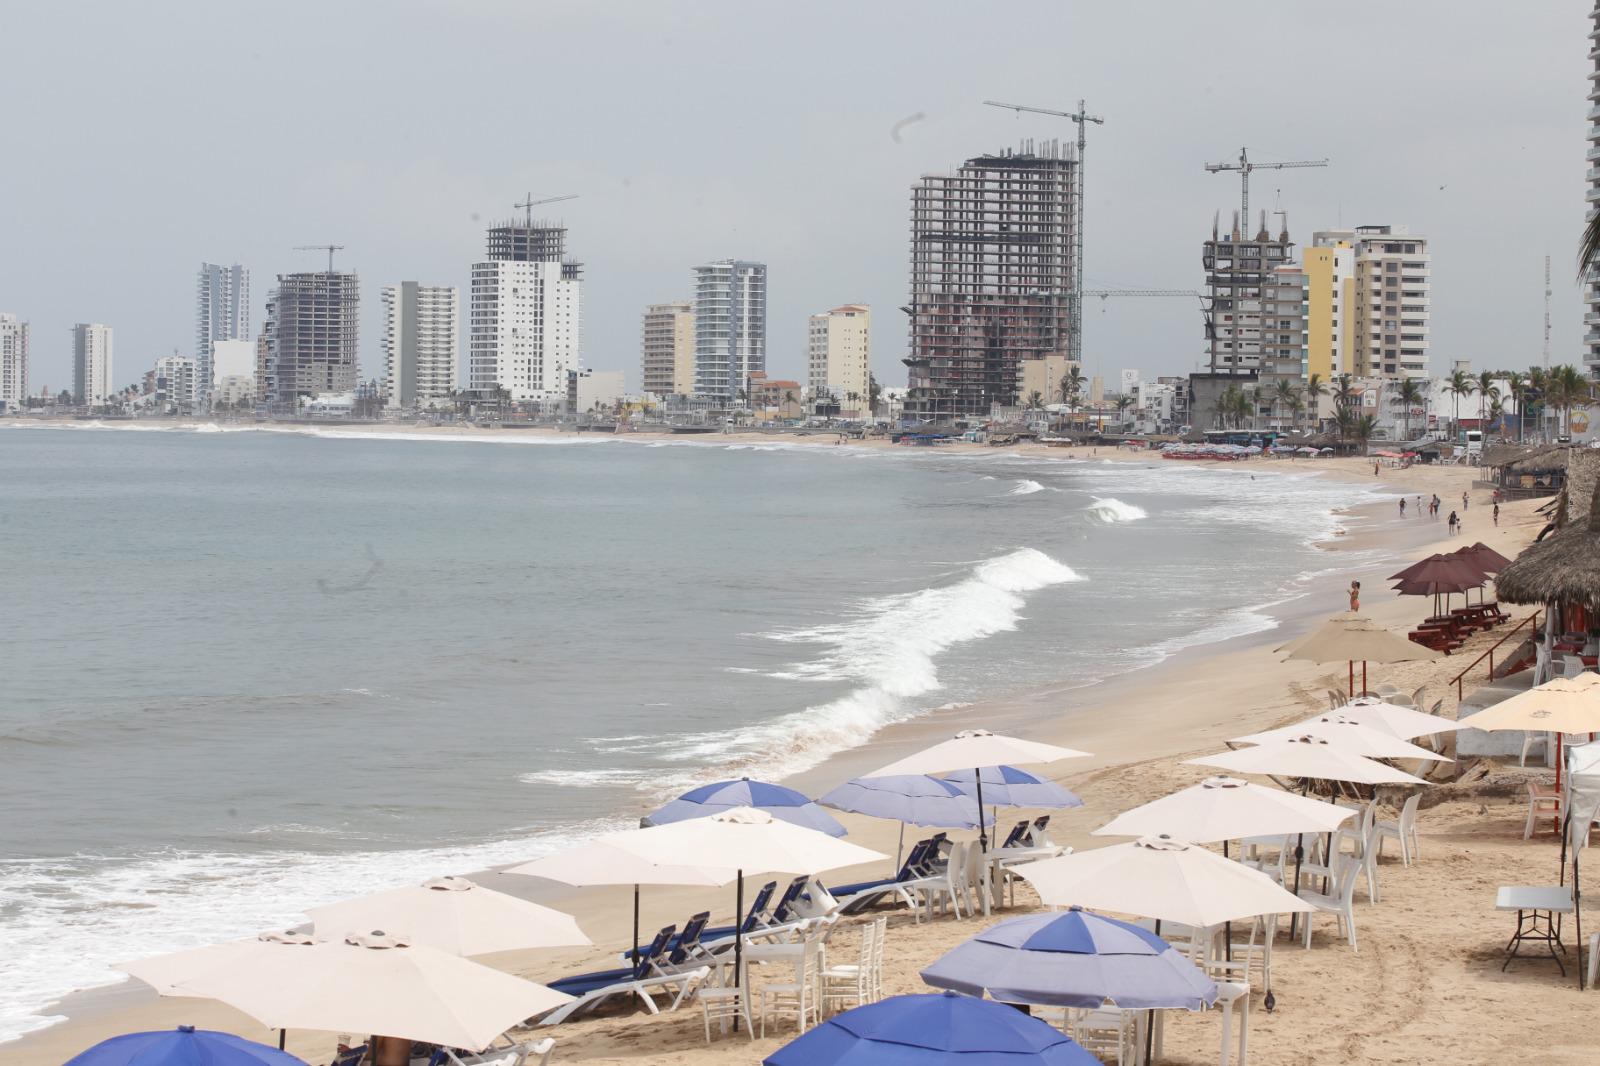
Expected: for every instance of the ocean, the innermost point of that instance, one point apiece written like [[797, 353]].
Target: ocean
[[248, 672]]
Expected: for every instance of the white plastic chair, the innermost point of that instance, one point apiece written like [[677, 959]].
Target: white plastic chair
[[799, 997], [949, 886], [1230, 993], [723, 1005], [1104, 1032], [849, 984], [1402, 829], [1530, 740], [1338, 902]]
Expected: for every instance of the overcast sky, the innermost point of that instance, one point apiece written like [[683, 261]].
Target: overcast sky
[[141, 139]]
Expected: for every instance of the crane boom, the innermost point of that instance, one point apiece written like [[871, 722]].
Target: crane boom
[[1075, 289], [530, 203], [1244, 166], [329, 248]]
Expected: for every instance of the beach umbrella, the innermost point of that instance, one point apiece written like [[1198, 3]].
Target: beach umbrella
[[744, 840], [974, 749], [376, 983], [1220, 809], [1160, 877], [183, 1046], [166, 972], [1561, 705], [598, 864], [917, 799], [785, 804], [1307, 756], [1349, 637], [1007, 786], [1073, 959], [1485, 558], [932, 1030], [1404, 722], [1441, 573], [454, 915], [1348, 734]]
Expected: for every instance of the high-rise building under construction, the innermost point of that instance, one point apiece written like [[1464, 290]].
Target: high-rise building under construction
[[1241, 272], [992, 273]]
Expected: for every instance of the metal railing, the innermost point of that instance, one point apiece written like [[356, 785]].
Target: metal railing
[[1489, 654]]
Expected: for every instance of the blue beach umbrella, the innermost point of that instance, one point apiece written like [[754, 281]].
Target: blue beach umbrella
[[1073, 959], [784, 804], [1007, 786], [183, 1046], [915, 799], [932, 1030]]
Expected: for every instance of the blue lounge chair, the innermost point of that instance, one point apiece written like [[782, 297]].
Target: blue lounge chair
[[644, 979], [1018, 831]]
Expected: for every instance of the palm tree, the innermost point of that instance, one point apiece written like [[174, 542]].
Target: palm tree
[[1517, 386], [874, 391], [1035, 400], [1071, 382], [1459, 385], [1344, 390], [1408, 395], [1283, 394], [1343, 423], [1567, 388], [1485, 387], [1123, 402], [1361, 429]]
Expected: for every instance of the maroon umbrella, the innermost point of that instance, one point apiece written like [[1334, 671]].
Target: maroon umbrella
[[1484, 558], [1438, 574]]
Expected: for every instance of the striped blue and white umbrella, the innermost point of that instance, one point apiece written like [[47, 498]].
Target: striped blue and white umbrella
[[784, 804], [1007, 786]]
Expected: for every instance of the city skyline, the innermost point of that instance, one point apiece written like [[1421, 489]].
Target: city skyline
[[647, 212]]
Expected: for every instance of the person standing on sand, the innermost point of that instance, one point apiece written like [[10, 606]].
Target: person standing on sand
[[1374, 468], [1454, 523], [1355, 597], [1402, 507], [1497, 514], [1463, 501]]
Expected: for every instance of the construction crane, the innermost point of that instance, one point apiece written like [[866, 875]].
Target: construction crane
[[1244, 167], [1546, 317], [530, 203], [329, 248], [1075, 292]]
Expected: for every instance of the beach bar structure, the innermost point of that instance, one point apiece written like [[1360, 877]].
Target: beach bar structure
[[992, 272], [1520, 473]]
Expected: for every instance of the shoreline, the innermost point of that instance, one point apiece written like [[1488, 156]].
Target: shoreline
[[1102, 716]]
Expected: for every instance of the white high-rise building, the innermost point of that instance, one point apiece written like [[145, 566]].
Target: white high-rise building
[[839, 356], [730, 327], [419, 344], [177, 384], [1385, 327], [1591, 277], [91, 363], [13, 362], [222, 313], [526, 314]]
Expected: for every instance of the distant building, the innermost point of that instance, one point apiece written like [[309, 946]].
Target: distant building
[[594, 390], [13, 362], [222, 313], [526, 306], [312, 335], [91, 364], [1386, 325], [991, 277], [419, 344], [1128, 384], [1238, 268], [839, 357], [1284, 353], [1329, 266], [730, 327], [233, 373], [667, 362], [1045, 374], [780, 395], [177, 384]]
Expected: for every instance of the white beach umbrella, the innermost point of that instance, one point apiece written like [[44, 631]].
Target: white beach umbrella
[[599, 863], [974, 749], [1307, 756], [1348, 735], [1159, 877], [454, 915], [1224, 809], [379, 984], [1560, 706], [746, 840], [165, 973], [1404, 722]]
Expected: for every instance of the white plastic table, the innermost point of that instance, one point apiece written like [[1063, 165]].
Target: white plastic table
[[1539, 909]]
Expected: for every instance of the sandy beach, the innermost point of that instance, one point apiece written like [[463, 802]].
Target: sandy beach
[[1426, 985]]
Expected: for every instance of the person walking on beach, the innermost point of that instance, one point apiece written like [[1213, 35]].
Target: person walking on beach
[[1454, 523], [1463, 501], [1355, 596], [1497, 514], [1402, 507]]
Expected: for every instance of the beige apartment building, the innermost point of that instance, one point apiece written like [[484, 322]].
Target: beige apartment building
[[839, 357], [668, 349], [1043, 374], [1385, 311]]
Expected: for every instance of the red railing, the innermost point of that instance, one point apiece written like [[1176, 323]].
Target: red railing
[[1456, 681]]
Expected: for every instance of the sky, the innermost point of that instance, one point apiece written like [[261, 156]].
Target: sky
[[143, 139]]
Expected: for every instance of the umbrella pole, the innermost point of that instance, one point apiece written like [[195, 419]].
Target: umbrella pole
[[1350, 665], [1150, 1023], [1577, 916], [637, 959], [738, 941], [900, 850], [1363, 677], [983, 836], [282, 1036], [1227, 927]]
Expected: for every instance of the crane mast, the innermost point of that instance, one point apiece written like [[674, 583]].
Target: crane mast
[[1244, 167], [1075, 289]]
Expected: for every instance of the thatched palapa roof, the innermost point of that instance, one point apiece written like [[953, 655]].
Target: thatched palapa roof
[[1565, 566]]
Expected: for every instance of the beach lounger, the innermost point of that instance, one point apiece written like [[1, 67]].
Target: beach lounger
[[914, 867], [910, 886], [1016, 834], [643, 979], [526, 1053]]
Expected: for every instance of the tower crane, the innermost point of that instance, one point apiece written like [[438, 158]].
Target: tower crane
[[1244, 167], [329, 248], [1075, 291], [530, 203]]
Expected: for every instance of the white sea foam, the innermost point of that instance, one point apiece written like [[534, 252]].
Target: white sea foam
[[1026, 487], [586, 778], [1110, 510]]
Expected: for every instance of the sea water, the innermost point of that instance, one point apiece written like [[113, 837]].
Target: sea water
[[250, 672]]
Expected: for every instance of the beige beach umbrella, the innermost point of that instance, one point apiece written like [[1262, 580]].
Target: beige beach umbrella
[[974, 749], [1561, 705], [1160, 877], [376, 983], [1350, 637], [747, 841], [1307, 756], [453, 914], [165, 972], [1403, 722], [1348, 734], [1224, 809]]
